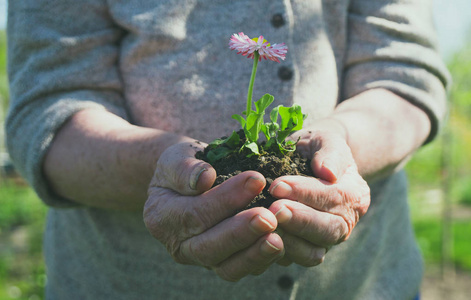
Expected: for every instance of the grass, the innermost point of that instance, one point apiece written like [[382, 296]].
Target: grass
[[20, 206], [462, 245], [428, 234], [426, 195], [22, 215]]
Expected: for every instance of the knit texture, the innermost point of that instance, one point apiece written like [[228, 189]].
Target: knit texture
[[166, 64]]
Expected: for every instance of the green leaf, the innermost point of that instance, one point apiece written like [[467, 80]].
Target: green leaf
[[233, 140], [275, 133], [215, 143], [291, 120], [218, 153], [252, 147], [266, 130], [270, 130], [283, 134], [274, 114], [285, 116], [253, 126], [270, 142], [251, 120], [291, 147], [254, 123], [240, 119], [263, 103], [299, 116]]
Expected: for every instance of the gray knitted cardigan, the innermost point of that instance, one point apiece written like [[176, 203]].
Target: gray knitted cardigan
[[166, 64]]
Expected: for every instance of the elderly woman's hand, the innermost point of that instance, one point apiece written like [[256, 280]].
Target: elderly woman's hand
[[198, 225], [316, 213]]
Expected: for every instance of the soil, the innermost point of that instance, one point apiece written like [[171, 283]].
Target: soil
[[271, 164]]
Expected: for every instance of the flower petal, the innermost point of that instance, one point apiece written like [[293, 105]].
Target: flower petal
[[246, 47]]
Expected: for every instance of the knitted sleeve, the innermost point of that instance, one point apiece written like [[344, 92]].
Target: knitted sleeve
[[392, 45], [62, 58]]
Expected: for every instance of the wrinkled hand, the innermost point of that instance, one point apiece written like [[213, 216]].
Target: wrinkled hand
[[198, 226], [316, 213]]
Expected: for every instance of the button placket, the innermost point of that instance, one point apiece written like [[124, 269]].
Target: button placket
[[278, 20], [285, 73]]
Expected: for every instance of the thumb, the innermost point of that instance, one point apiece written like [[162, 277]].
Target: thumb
[[331, 158], [178, 169]]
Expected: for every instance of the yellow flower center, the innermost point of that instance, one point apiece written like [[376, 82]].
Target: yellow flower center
[[264, 41]]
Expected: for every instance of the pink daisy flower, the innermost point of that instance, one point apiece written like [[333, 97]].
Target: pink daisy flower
[[247, 47]]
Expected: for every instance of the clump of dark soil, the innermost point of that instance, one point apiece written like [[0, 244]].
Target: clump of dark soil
[[271, 164]]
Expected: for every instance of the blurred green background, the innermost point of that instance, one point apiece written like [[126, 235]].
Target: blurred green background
[[440, 197]]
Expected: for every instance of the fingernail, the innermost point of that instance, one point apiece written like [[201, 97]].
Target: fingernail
[[259, 225], [281, 190], [269, 248], [320, 254], [332, 172], [283, 214], [195, 175], [254, 185]]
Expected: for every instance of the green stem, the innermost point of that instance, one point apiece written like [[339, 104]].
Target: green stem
[[252, 79]]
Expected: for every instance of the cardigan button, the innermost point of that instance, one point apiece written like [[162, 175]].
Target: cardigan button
[[285, 73], [285, 282], [277, 20]]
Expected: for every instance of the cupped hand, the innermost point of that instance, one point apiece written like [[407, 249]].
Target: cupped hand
[[315, 213], [199, 225]]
